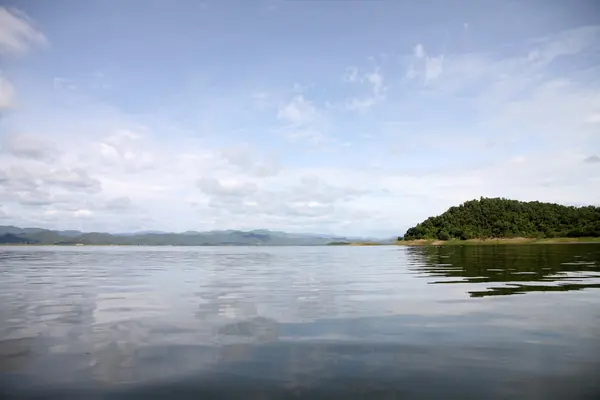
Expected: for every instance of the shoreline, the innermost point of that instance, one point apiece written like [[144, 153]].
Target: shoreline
[[417, 242], [497, 241]]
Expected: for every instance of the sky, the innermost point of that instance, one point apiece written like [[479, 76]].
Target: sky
[[344, 117]]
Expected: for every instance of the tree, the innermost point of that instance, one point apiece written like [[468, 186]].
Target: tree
[[499, 217]]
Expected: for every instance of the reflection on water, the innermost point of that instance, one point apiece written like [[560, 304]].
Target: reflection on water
[[513, 269], [420, 322]]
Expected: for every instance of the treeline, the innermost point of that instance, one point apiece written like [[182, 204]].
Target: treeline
[[504, 218]]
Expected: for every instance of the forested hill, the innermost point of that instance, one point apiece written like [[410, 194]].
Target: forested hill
[[503, 218]]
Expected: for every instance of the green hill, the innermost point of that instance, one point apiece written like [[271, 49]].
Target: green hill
[[504, 218]]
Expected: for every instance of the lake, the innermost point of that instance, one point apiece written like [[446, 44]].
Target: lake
[[306, 322]]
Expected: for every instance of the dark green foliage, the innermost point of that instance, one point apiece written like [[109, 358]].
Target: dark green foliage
[[503, 218], [443, 235]]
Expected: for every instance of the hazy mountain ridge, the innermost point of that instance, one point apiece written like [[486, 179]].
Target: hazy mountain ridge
[[13, 234]]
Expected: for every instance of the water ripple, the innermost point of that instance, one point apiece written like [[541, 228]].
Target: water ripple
[[104, 317]]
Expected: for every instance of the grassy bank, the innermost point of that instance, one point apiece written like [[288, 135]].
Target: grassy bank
[[434, 242]]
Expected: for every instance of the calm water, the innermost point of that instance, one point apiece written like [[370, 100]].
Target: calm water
[[255, 322]]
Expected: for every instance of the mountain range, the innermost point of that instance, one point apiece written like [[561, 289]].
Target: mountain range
[[261, 237]]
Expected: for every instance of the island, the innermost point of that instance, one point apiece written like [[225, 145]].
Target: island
[[500, 220]]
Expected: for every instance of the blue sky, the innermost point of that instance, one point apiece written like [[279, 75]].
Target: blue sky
[[349, 117]]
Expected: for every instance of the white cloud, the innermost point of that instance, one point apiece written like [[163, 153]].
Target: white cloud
[[260, 95], [592, 159], [246, 160], [17, 33], [29, 179], [17, 177], [312, 137], [564, 43], [342, 200], [500, 78], [226, 187], [518, 102], [351, 74], [29, 189], [305, 124], [7, 93], [33, 198], [124, 150], [593, 118], [306, 197], [411, 72], [262, 100], [73, 179], [434, 66], [63, 83], [419, 51], [554, 111], [82, 213], [122, 203], [363, 103], [360, 104], [376, 79], [28, 146], [429, 67], [298, 111]]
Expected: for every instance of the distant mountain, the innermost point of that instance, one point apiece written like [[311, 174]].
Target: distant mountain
[[260, 237], [137, 233], [18, 231], [11, 238], [30, 231], [70, 233]]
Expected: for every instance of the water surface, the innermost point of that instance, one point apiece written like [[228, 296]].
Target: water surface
[[267, 322]]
